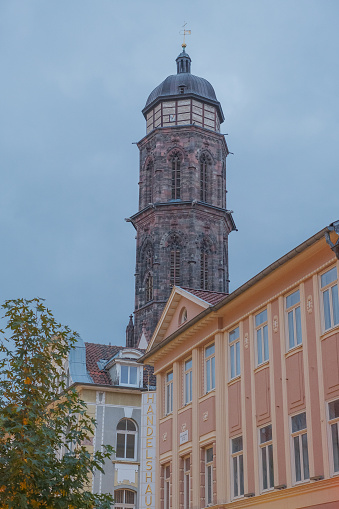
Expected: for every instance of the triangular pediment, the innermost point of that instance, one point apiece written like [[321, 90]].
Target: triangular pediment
[[182, 306]]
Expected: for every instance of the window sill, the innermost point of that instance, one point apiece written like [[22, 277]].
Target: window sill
[[185, 407], [166, 418], [234, 380], [207, 395], [329, 332], [124, 461], [294, 350], [262, 366]]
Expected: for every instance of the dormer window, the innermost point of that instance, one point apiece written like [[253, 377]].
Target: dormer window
[[129, 375], [182, 89]]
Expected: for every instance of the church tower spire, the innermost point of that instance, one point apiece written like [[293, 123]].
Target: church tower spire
[[182, 223]]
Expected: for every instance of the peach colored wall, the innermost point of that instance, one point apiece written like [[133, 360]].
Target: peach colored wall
[[185, 418], [295, 382], [278, 398], [313, 381], [234, 408], [165, 436], [330, 351], [207, 415], [193, 310], [262, 396], [248, 410]]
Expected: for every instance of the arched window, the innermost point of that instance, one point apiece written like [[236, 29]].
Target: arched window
[[149, 288], [175, 176], [203, 177], [175, 266], [183, 316], [149, 183], [149, 258], [124, 499], [126, 439], [204, 270]]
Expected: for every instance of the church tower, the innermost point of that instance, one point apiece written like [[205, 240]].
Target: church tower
[[182, 224]]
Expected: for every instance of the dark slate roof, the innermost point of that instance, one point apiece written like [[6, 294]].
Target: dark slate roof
[[96, 352], [210, 297]]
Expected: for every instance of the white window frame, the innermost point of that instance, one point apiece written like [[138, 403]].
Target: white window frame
[[234, 353], [125, 505], [127, 432], [299, 434], [333, 429], [237, 458], [332, 289], [208, 477], [266, 451], [209, 368], [187, 482], [261, 334], [188, 388], [129, 384], [169, 393], [293, 316]]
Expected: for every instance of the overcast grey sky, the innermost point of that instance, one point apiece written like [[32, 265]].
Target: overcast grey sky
[[75, 75]]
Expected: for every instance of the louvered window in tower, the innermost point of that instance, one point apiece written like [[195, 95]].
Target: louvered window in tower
[[149, 183], [204, 270], [175, 267], [149, 288], [175, 177], [203, 177]]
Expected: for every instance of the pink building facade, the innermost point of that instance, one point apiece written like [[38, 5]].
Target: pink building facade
[[248, 389]]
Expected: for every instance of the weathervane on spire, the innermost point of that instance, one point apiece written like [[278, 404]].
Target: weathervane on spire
[[184, 32]]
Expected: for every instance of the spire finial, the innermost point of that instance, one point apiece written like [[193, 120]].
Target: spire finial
[[184, 32]]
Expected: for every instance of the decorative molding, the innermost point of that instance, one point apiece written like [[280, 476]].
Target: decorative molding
[[275, 323], [309, 304], [205, 416], [246, 340], [164, 437]]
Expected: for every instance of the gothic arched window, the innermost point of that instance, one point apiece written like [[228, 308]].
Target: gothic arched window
[[149, 288], [149, 183], [126, 447], [124, 499], [175, 161], [175, 266], [203, 177]]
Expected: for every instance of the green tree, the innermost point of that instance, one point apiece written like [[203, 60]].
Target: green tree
[[43, 424]]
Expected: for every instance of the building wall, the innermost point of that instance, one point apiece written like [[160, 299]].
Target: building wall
[[293, 380]]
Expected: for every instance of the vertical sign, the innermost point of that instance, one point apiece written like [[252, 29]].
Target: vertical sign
[[147, 454]]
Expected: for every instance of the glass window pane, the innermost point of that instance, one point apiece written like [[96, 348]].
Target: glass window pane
[[235, 476], [232, 355], [237, 444], [335, 305], [259, 346], [188, 364], [265, 332], [293, 299], [335, 446], [237, 349], [261, 318], [130, 446], [298, 422], [264, 468], [209, 455], [120, 452], [297, 459], [305, 455], [327, 310], [209, 350], [234, 335], [133, 375], [122, 424], [213, 372], [169, 376], [130, 426], [334, 409], [329, 277], [271, 467], [208, 375], [241, 472], [124, 374], [266, 434], [209, 485], [290, 329], [298, 325]]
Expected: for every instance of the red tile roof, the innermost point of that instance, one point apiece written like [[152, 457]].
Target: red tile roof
[[210, 297], [96, 352]]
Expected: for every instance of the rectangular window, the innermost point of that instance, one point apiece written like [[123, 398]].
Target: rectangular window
[[329, 290], [261, 328], [234, 352], [187, 472], [169, 393], [188, 382], [237, 467], [210, 367], [293, 319], [209, 476], [129, 375], [266, 457], [167, 473], [300, 449], [333, 411]]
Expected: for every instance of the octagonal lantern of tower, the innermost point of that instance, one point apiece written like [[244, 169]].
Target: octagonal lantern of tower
[[182, 224]]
